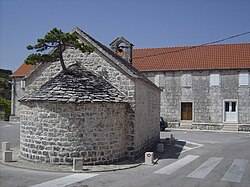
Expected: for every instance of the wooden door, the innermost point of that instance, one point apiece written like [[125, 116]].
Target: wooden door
[[186, 111]]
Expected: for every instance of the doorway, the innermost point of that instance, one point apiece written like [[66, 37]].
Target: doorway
[[230, 111], [186, 111]]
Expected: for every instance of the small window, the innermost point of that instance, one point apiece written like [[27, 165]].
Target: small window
[[214, 79], [186, 80], [160, 80], [227, 106], [243, 79], [22, 84], [157, 80], [233, 106]]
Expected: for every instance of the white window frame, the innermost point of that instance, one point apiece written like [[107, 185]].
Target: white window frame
[[243, 79], [159, 80], [23, 84], [237, 110], [214, 79], [186, 80]]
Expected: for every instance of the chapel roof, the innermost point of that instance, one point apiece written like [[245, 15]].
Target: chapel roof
[[223, 56], [79, 86]]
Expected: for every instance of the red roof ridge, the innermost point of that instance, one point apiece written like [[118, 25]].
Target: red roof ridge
[[191, 46]]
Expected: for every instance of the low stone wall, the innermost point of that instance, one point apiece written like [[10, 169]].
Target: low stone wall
[[57, 132], [206, 126], [244, 128], [173, 124]]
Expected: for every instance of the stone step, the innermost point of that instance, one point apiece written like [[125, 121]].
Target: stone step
[[185, 125], [230, 127]]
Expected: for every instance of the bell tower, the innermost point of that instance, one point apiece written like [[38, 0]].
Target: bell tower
[[123, 48]]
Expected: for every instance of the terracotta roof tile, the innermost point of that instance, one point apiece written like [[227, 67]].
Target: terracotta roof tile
[[224, 56], [22, 71]]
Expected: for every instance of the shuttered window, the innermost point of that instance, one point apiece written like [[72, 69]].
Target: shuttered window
[[160, 80], [22, 84], [215, 79], [186, 80], [243, 79]]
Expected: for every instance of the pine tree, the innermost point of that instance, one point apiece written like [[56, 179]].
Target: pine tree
[[58, 41]]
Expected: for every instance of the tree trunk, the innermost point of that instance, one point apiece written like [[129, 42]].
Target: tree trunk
[[65, 70]]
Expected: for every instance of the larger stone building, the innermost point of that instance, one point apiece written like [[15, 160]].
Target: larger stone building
[[104, 111], [205, 87]]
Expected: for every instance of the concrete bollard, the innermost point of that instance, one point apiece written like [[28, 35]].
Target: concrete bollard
[[149, 158], [77, 164], [7, 156], [160, 147], [5, 146]]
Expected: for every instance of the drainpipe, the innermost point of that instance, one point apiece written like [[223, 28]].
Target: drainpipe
[[13, 96]]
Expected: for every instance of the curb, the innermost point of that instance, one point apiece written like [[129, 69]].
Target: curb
[[199, 130], [23, 164]]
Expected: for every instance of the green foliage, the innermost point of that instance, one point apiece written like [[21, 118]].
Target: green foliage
[[5, 73], [58, 41], [5, 85], [7, 106]]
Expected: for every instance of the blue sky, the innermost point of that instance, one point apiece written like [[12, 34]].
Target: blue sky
[[146, 23]]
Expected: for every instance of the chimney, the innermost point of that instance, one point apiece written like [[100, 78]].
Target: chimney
[[123, 48]]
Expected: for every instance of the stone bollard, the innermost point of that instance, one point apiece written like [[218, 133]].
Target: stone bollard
[[149, 158], [5, 146], [160, 147], [7, 153], [77, 164], [7, 156]]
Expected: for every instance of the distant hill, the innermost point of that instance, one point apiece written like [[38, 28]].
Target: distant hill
[[5, 86]]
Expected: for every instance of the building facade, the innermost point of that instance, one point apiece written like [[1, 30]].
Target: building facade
[[206, 87]]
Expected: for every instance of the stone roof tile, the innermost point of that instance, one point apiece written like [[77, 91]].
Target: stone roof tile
[[79, 86]]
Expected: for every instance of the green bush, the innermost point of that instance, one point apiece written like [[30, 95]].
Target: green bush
[[7, 107]]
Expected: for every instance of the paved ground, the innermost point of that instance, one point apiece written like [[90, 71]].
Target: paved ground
[[197, 159]]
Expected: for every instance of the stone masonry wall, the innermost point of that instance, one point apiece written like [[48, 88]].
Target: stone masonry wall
[[147, 115], [207, 100], [93, 62], [57, 132]]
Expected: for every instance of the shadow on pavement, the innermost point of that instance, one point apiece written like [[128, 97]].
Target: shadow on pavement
[[172, 151]]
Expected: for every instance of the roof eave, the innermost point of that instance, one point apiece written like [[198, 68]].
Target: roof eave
[[195, 69]]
